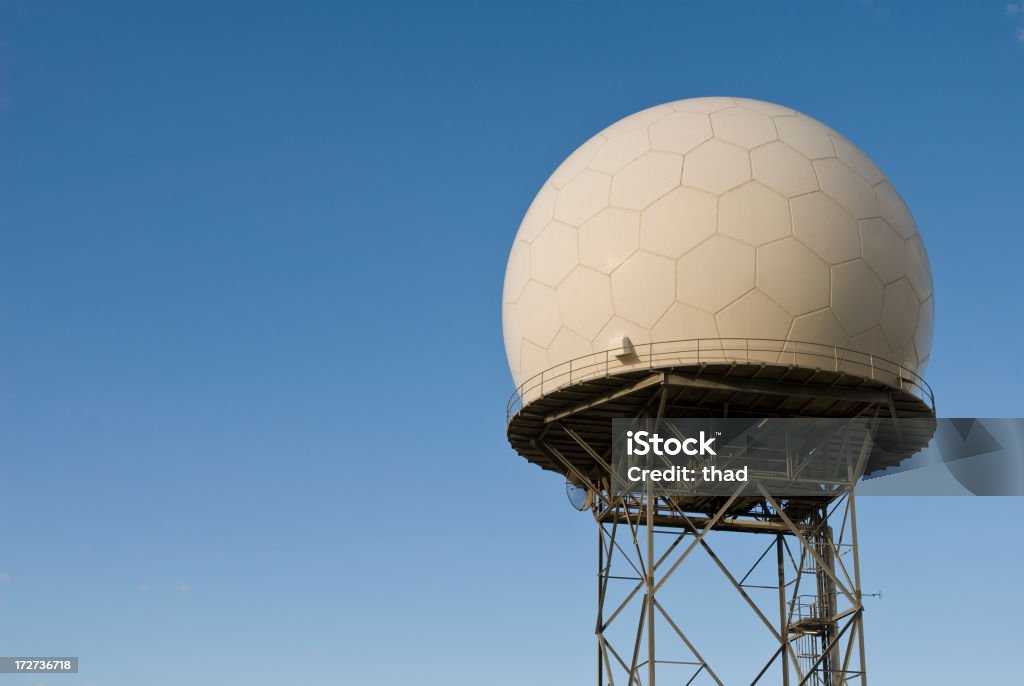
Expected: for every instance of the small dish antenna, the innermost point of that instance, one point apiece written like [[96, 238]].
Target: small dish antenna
[[580, 498]]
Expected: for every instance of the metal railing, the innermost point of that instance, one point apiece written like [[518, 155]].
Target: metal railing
[[811, 608], [698, 351]]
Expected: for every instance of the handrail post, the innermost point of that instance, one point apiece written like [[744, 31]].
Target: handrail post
[[871, 362]]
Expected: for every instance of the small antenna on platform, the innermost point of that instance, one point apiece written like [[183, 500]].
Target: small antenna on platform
[[579, 497]]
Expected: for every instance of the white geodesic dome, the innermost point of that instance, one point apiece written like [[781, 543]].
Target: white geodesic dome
[[716, 218]]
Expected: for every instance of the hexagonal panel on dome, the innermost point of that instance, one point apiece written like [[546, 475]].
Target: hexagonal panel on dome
[[680, 132], [872, 342], [686, 335], [846, 187], [919, 271], [793, 276], [646, 179], [744, 127], [783, 169], [620, 150], [883, 249], [643, 288], [568, 345], [585, 301], [900, 313], [716, 166], [715, 273], [857, 160], [542, 209], [807, 136], [678, 221], [517, 272], [825, 227], [553, 254], [533, 357], [609, 237], [857, 296], [755, 315], [894, 210], [683, 322], [619, 326], [576, 162], [819, 327], [639, 120], [583, 197], [754, 214], [538, 308]]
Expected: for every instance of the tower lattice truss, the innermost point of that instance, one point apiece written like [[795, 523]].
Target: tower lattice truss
[[662, 566]]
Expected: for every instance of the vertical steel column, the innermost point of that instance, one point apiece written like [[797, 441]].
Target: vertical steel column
[[859, 626], [783, 623], [600, 605], [649, 569], [827, 591]]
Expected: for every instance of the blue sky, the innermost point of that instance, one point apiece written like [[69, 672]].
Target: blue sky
[[249, 251]]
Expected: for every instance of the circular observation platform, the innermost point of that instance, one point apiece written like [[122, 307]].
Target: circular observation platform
[[565, 413]]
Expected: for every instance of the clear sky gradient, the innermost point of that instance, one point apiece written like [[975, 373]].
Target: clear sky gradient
[[251, 253]]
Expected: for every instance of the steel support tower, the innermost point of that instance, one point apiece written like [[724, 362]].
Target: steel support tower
[[801, 581]]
